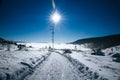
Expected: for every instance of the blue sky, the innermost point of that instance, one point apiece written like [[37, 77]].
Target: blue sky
[[28, 20]]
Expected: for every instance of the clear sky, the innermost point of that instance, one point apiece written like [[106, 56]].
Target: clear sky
[[28, 20]]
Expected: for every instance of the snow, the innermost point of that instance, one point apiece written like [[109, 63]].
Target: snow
[[112, 50], [57, 46], [101, 64], [56, 67], [79, 65], [5, 47], [13, 62]]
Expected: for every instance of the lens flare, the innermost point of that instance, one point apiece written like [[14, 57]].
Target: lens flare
[[56, 17], [53, 4]]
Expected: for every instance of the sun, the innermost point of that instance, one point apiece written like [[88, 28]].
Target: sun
[[55, 17]]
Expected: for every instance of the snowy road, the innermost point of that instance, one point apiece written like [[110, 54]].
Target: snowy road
[[56, 67]]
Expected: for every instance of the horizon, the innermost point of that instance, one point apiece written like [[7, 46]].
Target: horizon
[[28, 20], [22, 41]]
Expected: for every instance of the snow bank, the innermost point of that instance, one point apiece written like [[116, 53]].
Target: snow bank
[[101, 66], [85, 72], [15, 65], [11, 47], [112, 50]]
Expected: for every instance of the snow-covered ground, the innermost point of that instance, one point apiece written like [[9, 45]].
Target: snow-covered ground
[[56, 67], [79, 65], [101, 64], [14, 63], [6, 46], [57, 46]]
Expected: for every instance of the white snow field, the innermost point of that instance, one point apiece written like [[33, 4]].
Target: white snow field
[[16, 64], [56, 67], [36, 62], [57, 46], [101, 64]]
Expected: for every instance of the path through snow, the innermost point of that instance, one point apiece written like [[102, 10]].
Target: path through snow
[[56, 67]]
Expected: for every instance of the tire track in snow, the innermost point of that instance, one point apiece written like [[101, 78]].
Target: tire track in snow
[[56, 67]]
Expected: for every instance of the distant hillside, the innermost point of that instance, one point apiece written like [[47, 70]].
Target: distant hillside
[[3, 41], [100, 42]]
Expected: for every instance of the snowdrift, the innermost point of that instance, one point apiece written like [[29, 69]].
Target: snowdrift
[[15, 65]]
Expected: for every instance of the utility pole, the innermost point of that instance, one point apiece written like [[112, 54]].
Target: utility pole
[[53, 35], [55, 17]]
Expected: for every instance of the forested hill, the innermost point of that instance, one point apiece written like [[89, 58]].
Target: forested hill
[[100, 42]]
